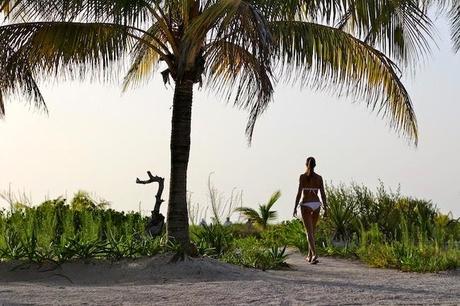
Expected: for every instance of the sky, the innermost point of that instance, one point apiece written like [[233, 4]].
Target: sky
[[98, 139]]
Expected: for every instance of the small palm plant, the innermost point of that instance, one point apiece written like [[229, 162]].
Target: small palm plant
[[264, 214]]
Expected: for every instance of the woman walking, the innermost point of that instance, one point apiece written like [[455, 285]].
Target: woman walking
[[309, 184]]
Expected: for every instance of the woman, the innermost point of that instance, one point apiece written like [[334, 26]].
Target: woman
[[309, 185]]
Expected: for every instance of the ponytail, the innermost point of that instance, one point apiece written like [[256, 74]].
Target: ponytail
[[311, 164]]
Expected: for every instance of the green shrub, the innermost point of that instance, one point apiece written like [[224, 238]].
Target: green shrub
[[407, 254], [250, 252], [212, 240]]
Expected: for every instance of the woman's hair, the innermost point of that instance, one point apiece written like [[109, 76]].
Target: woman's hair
[[311, 164]]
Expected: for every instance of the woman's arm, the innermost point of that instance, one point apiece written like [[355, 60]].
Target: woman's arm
[[323, 197], [297, 198]]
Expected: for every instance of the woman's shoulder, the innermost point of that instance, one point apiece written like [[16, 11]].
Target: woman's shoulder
[[319, 177]]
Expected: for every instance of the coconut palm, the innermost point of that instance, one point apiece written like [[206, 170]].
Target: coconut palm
[[264, 214], [237, 48]]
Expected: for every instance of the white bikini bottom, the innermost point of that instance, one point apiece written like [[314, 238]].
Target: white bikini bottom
[[312, 205]]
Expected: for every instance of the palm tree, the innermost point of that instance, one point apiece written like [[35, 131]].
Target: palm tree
[[237, 48], [264, 214]]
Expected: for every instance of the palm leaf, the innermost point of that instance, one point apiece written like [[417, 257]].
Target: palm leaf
[[237, 74], [145, 60], [327, 58], [266, 215], [132, 12], [250, 213], [61, 49], [17, 78], [275, 197], [237, 22], [452, 9], [289, 10], [455, 19], [399, 28], [78, 48], [237, 55]]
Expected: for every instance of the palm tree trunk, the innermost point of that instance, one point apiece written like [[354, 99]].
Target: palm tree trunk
[[177, 218]]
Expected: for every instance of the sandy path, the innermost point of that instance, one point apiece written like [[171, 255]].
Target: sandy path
[[208, 282]]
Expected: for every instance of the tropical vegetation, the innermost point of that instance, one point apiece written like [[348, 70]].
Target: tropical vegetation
[[381, 228], [241, 48]]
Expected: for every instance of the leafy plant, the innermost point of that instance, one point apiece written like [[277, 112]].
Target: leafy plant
[[265, 214], [250, 252], [212, 240]]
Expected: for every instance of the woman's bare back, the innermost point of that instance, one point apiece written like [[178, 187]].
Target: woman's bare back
[[310, 186]]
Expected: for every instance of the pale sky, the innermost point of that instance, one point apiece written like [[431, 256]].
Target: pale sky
[[100, 140]]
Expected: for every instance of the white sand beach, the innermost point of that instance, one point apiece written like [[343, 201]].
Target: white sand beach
[[204, 281]]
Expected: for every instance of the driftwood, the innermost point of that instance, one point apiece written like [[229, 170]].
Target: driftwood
[[157, 220]]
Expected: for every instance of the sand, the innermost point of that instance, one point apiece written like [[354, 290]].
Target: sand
[[205, 281]]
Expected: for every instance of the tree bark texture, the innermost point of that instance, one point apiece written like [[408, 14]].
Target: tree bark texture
[[177, 218]]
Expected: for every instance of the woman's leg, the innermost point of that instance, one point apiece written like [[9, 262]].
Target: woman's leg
[[315, 216], [308, 223]]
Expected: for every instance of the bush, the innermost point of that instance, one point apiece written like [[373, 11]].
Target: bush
[[212, 240], [250, 252], [407, 254]]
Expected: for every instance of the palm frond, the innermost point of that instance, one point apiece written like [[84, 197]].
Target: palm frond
[[5, 6], [290, 10], [399, 28], [250, 214], [17, 79], [145, 60], [39, 50], [455, 19], [238, 75], [272, 215], [237, 54], [132, 12], [275, 197], [238, 22], [327, 58], [266, 214], [74, 50]]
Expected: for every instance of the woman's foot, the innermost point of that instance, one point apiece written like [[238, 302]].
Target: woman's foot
[[314, 260], [308, 258]]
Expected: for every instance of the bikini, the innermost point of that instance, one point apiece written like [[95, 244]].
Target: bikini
[[313, 205]]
